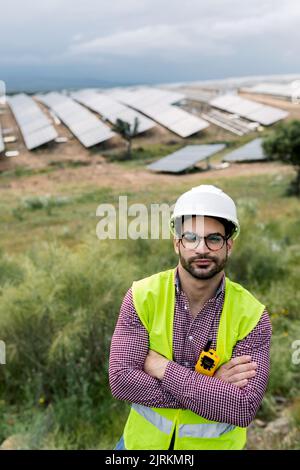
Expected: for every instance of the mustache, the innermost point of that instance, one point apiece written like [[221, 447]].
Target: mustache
[[196, 258]]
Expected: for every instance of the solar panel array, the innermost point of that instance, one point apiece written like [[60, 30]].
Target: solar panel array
[[147, 96], [112, 110], [265, 115], [35, 127], [88, 129], [2, 146], [157, 104], [284, 90], [248, 152], [185, 158]]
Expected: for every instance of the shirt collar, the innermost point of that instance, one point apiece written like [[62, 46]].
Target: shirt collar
[[220, 287]]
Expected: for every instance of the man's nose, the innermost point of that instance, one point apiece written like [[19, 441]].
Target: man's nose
[[202, 248]]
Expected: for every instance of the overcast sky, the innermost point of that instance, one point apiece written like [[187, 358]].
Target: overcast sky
[[139, 41]]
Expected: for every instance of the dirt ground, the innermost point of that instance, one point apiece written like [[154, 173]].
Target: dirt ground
[[114, 176]]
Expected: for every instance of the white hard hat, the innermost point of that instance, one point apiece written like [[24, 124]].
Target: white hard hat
[[206, 200]]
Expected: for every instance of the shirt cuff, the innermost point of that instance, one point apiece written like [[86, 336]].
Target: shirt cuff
[[175, 379]]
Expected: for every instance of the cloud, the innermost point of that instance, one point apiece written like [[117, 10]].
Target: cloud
[[204, 36], [161, 39], [213, 35], [78, 37]]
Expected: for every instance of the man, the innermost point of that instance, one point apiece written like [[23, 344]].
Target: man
[[171, 318]]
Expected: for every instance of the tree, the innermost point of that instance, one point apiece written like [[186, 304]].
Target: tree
[[128, 131], [284, 144]]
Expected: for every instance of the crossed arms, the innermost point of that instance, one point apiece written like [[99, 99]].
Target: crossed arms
[[140, 376]]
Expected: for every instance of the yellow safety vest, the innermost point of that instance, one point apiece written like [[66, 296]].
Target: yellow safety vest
[[152, 428]]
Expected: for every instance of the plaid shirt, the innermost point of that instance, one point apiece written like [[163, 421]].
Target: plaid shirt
[[181, 386]]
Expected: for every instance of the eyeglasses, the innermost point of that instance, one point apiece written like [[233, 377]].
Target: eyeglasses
[[213, 241]]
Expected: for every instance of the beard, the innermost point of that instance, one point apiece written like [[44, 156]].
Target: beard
[[206, 272]]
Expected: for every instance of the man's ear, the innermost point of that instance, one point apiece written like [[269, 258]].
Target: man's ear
[[176, 242], [229, 246]]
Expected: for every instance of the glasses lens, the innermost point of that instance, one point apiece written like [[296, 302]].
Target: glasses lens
[[214, 241], [190, 240]]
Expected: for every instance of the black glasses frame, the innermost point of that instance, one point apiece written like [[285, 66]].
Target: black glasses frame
[[205, 240]]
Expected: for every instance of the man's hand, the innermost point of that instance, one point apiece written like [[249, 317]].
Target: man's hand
[[155, 365], [237, 371]]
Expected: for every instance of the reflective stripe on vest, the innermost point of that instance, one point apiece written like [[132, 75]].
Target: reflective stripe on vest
[[161, 423], [207, 430], [204, 430]]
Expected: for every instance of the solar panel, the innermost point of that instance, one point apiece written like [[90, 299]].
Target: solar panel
[[249, 152], [150, 96], [82, 127], [111, 109], [40, 137], [123, 96], [177, 120], [155, 104], [188, 126], [35, 127], [283, 90], [86, 127], [36, 124], [185, 158], [51, 98], [265, 115], [2, 146], [168, 116], [94, 136]]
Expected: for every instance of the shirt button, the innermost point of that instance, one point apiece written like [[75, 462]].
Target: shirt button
[[186, 364], [185, 307], [191, 338]]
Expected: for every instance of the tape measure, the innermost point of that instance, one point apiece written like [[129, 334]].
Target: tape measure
[[208, 360]]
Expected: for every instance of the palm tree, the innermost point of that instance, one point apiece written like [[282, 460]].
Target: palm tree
[[128, 131]]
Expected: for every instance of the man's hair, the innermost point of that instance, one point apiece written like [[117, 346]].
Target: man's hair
[[228, 225]]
